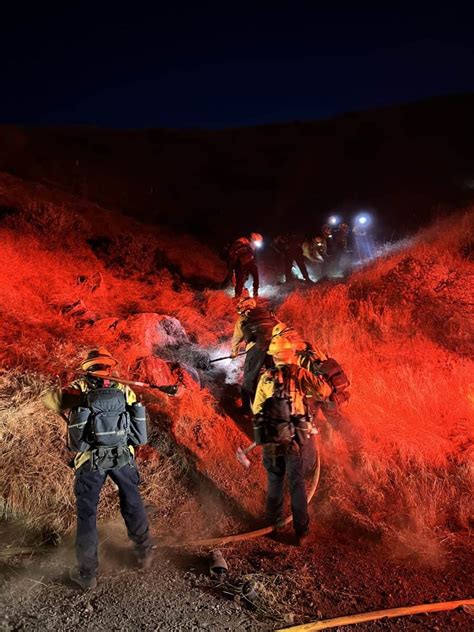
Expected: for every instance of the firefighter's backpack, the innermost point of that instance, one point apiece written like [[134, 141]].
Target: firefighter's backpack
[[258, 325], [330, 369], [276, 422], [106, 425]]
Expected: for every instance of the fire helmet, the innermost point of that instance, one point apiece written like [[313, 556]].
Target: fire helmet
[[100, 358], [283, 331], [279, 329], [280, 345], [246, 304]]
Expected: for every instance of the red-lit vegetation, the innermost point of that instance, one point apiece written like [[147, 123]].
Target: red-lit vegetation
[[403, 329], [400, 328]]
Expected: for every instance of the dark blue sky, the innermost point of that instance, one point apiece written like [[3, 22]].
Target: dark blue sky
[[195, 65]]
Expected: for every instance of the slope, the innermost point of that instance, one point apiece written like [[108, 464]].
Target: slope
[[402, 161]]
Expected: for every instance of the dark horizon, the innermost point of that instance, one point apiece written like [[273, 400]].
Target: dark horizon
[[196, 67], [243, 126]]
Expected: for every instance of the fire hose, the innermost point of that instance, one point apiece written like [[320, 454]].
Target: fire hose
[[249, 535], [379, 614]]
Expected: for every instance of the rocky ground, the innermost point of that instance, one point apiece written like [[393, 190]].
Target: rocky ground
[[333, 576]]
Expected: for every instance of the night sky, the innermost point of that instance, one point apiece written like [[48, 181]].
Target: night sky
[[192, 65]]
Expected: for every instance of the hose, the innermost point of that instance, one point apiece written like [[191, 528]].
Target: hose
[[249, 535], [378, 614]]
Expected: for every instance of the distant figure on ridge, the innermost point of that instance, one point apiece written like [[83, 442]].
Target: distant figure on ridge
[[291, 250], [315, 252], [340, 243], [242, 262]]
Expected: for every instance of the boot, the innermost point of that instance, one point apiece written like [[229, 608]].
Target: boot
[[145, 559], [302, 538], [86, 583]]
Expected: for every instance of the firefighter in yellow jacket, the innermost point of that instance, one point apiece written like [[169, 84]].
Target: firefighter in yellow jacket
[[104, 423], [282, 425], [254, 327]]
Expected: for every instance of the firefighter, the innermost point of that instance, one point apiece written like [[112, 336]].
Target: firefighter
[[242, 261], [105, 422], [291, 250], [313, 248], [283, 427], [363, 239], [315, 251], [339, 242], [254, 326], [327, 237]]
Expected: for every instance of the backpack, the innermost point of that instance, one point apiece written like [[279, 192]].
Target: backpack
[[258, 325], [330, 369], [241, 252], [275, 423], [105, 426]]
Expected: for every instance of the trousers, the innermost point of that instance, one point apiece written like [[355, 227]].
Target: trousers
[[254, 361], [298, 258], [87, 488], [242, 272], [293, 461]]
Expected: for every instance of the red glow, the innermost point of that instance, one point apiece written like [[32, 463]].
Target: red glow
[[400, 328]]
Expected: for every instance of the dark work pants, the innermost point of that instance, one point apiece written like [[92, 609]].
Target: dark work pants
[[87, 489], [294, 462], [298, 258], [242, 272], [254, 361]]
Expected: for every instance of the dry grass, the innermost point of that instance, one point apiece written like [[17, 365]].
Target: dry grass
[[411, 407], [401, 328], [36, 483], [42, 334]]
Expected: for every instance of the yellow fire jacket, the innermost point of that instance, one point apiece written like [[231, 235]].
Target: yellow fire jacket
[[238, 337], [302, 383], [60, 399]]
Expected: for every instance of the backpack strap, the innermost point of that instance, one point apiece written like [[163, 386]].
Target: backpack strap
[[283, 382]]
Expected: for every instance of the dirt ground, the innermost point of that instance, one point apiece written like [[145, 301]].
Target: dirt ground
[[332, 576]]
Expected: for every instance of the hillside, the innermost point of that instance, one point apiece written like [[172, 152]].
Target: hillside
[[397, 478], [404, 162]]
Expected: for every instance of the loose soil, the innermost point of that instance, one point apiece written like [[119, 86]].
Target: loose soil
[[332, 576]]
